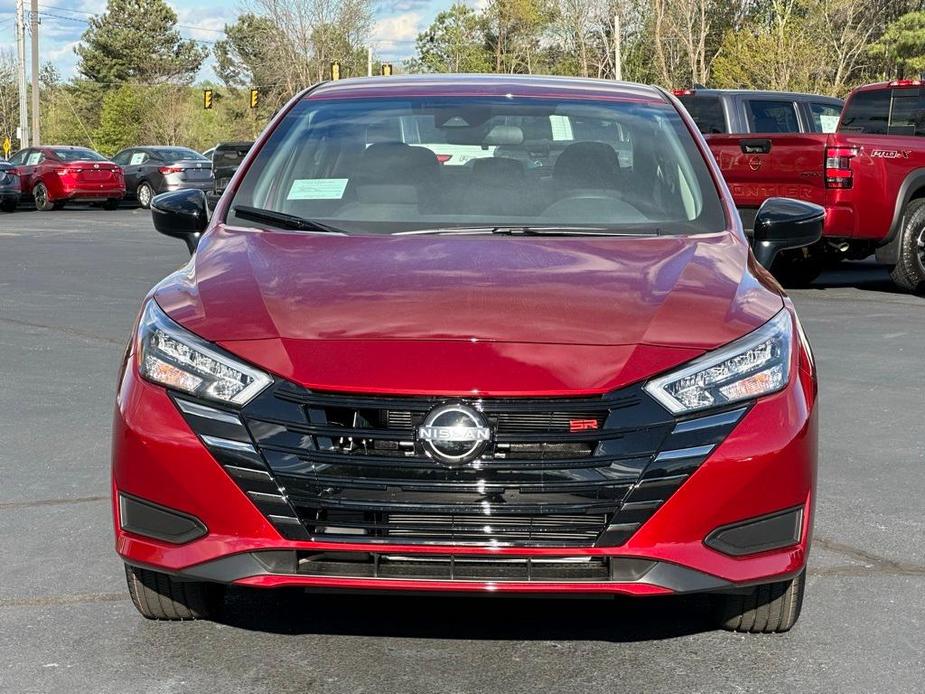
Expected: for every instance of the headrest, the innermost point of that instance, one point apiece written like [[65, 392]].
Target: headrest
[[396, 162], [504, 135], [588, 165]]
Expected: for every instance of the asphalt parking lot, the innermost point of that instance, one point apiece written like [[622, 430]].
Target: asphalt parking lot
[[70, 285]]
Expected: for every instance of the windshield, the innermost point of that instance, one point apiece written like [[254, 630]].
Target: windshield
[[393, 166], [77, 155], [178, 154]]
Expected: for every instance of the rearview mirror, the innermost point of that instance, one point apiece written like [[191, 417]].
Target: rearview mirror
[[182, 214], [783, 224]]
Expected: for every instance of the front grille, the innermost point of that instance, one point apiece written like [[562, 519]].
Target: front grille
[[558, 472]]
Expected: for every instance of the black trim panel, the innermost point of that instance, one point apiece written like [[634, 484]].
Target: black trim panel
[[152, 520], [774, 531], [461, 568]]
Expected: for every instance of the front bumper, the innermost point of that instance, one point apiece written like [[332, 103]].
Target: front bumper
[[767, 465]]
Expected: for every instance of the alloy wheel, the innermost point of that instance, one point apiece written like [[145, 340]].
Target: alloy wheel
[[920, 245], [144, 195]]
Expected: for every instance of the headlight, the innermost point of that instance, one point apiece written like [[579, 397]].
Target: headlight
[[755, 365], [170, 356]]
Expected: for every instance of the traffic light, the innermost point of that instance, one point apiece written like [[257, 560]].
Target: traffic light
[[255, 98], [335, 70], [208, 100], [386, 69]]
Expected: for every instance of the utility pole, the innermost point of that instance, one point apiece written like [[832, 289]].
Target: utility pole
[[36, 136], [617, 48], [21, 73], [369, 61]]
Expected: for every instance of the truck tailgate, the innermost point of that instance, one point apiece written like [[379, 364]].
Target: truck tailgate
[[760, 166]]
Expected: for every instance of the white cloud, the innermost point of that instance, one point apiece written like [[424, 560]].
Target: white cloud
[[210, 22], [393, 33]]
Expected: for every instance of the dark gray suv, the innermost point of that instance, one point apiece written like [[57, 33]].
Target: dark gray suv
[[150, 171]]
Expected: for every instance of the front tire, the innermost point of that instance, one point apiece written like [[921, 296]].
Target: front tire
[[909, 272], [159, 596], [43, 202], [772, 608], [8, 206], [111, 204], [144, 194]]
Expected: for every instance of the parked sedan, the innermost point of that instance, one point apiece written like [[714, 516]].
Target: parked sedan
[[150, 171], [9, 187], [54, 175], [381, 372]]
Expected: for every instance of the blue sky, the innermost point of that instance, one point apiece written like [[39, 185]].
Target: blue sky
[[63, 21]]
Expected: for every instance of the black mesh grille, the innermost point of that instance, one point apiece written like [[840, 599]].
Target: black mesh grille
[[558, 472]]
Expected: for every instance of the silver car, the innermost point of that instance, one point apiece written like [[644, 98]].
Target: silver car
[[150, 171]]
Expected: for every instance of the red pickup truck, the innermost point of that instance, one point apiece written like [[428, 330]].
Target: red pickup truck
[[869, 175]]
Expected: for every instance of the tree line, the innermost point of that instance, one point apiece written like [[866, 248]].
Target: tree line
[[135, 80], [822, 46]]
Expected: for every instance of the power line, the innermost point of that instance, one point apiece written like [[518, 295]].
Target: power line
[[91, 14], [78, 20]]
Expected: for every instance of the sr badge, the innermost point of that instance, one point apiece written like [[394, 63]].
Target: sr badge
[[454, 433]]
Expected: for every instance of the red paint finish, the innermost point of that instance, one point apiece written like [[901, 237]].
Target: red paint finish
[[639, 589], [252, 285], [768, 463], [73, 180], [514, 317], [884, 171], [791, 169]]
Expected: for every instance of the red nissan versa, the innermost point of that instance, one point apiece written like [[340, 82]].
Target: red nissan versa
[[544, 361]]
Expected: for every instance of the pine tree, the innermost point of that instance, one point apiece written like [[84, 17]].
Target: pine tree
[[137, 41]]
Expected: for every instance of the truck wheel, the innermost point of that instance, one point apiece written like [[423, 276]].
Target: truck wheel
[[909, 272], [159, 596], [766, 609], [42, 202], [799, 267]]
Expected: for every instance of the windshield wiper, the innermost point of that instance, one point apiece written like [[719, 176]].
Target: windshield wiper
[[281, 219], [528, 230]]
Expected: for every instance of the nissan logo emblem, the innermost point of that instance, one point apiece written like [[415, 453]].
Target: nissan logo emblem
[[454, 433]]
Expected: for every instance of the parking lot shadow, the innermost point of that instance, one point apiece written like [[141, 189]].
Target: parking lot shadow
[[865, 275], [620, 619]]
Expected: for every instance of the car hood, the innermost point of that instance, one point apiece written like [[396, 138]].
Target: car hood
[[307, 306]]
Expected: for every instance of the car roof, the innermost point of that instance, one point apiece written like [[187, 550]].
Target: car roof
[[486, 85], [154, 148], [698, 91], [912, 83]]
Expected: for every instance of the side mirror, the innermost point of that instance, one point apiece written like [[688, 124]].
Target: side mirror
[[182, 214], [782, 224]]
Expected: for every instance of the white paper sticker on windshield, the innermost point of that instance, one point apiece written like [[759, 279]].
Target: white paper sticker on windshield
[[137, 159], [829, 123], [318, 189]]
